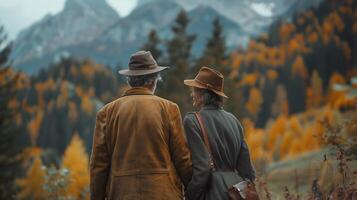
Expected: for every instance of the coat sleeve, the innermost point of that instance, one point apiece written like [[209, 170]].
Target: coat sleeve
[[201, 172], [100, 159], [179, 151], [244, 165]]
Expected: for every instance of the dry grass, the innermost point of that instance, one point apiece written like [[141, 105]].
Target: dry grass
[[330, 173]]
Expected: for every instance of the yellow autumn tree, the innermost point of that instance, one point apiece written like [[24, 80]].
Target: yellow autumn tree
[[286, 144], [34, 126], [337, 78], [309, 140], [280, 105], [88, 71], [275, 132], [250, 79], [298, 68], [64, 94], [254, 102], [296, 148], [313, 37], [255, 140], [72, 111], [75, 159], [32, 184], [86, 105], [295, 126], [315, 97], [286, 30], [272, 75]]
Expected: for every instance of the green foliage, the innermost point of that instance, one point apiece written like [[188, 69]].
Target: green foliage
[[179, 60], [9, 130], [152, 45], [214, 54]]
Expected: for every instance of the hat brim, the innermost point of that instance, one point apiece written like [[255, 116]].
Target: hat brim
[[128, 72], [194, 83]]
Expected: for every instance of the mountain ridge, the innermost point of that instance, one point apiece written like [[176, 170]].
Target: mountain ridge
[[92, 29]]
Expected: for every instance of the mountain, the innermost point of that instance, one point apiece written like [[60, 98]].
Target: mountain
[[254, 16], [239, 12], [120, 40], [80, 21], [142, 19], [116, 44], [115, 41], [92, 29], [201, 24], [299, 6]]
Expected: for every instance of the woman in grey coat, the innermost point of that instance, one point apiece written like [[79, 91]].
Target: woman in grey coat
[[230, 152]]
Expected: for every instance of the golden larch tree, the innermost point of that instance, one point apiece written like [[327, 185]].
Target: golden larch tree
[[86, 105], [75, 159], [254, 102], [34, 126], [316, 96], [286, 30], [286, 144], [32, 184], [280, 105], [299, 69]]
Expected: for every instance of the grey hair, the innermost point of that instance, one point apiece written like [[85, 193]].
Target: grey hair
[[143, 80], [210, 98]]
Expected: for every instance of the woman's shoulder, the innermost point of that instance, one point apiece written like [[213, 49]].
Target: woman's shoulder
[[189, 117], [190, 114], [230, 115]]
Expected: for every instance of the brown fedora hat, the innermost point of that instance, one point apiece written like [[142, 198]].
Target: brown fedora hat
[[141, 63], [210, 79]]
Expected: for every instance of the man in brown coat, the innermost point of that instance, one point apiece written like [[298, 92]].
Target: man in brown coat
[[139, 148]]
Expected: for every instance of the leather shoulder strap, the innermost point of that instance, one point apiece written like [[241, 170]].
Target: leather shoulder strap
[[206, 141]]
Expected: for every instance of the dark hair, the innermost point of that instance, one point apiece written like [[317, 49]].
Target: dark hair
[[210, 98], [138, 81]]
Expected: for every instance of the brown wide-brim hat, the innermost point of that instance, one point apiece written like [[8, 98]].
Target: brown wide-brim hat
[[142, 63], [208, 78]]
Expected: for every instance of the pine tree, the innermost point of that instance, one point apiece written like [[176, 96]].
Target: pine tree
[[75, 159], [179, 46], [179, 58], [214, 54], [152, 45], [9, 132]]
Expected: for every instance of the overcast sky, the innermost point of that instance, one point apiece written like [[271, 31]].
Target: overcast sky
[[18, 14]]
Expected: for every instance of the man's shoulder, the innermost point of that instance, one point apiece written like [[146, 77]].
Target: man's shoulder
[[165, 101], [111, 105], [107, 106]]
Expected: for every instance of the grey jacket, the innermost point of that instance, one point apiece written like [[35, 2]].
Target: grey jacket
[[230, 154]]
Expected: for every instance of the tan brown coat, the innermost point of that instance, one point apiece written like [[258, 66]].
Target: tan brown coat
[[139, 149]]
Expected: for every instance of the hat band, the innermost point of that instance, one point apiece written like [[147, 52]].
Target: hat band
[[209, 86], [142, 67]]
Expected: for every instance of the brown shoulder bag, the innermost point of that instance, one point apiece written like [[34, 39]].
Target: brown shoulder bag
[[242, 190]]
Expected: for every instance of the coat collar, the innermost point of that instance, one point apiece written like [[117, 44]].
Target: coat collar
[[211, 107], [137, 91]]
